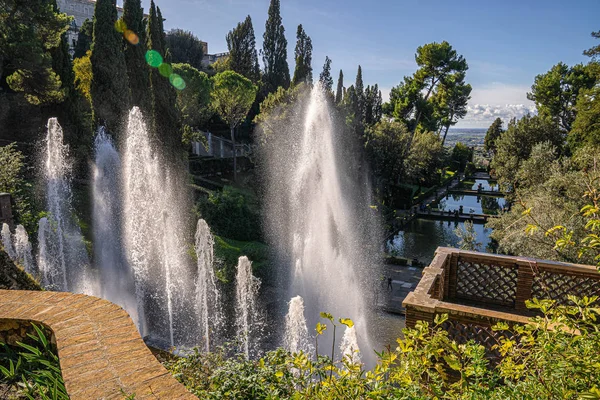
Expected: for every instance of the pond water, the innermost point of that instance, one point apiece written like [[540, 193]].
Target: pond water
[[479, 204], [421, 237], [485, 185]]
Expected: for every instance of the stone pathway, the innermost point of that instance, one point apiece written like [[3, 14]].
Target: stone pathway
[[101, 353], [404, 280]]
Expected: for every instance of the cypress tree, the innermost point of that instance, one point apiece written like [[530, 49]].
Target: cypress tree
[[339, 94], [164, 98], [243, 57], [325, 77], [277, 71], [303, 53], [134, 42], [360, 94], [110, 86], [84, 39]]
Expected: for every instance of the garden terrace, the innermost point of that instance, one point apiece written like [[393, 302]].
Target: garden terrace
[[101, 353], [478, 290]]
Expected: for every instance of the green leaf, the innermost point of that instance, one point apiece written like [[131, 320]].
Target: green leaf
[[320, 328], [346, 321], [327, 316]]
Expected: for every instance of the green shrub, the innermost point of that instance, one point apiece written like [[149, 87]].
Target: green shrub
[[232, 213], [554, 356], [470, 169]]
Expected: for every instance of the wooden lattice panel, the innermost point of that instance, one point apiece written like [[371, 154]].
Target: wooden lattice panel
[[486, 282], [554, 286]]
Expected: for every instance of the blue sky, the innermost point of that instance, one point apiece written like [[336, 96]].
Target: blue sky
[[506, 43]]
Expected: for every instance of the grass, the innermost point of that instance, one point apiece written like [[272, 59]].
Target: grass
[[228, 251]]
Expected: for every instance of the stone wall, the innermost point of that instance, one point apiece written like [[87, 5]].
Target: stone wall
[[13, 277]]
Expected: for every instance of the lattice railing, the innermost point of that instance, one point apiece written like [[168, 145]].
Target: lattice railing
[[485, 282], [549, 285]]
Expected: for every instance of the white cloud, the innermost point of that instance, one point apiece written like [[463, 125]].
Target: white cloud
[[495, 100]]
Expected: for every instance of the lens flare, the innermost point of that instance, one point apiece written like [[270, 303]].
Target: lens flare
[[153, 58], [165, 70], [131, 37], [120, 26], [177, 81]]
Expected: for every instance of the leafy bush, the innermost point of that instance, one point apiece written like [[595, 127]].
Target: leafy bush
[[229, 251], [232, 214], [33, 367], [470, 169], [553, 356]]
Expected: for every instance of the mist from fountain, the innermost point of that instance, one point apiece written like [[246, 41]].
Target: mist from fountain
[[296, 337], [7, 242], [318, 217], [63, 260], [208, 298], [115, 276], [154, 227], [349, 346], [23, 249], [248, 322]]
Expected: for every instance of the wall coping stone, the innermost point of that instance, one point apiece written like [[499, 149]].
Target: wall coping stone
[[97, 343]]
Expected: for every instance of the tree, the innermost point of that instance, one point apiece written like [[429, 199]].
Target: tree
[[166, 124], [387, 148], [232, 98], [243, 58], [424, 158], [440, 69], [452, 98], [82, 68], [373, 105], [325, 77], [339, 93], [303, 56], [461, 155], [29, 30], [514, 146], [555, 92], [134, 43], [185, 47], [110, 84], [359, 90], [493, 133], [277, 72], [468, 237], [84, 39], [193, 102]]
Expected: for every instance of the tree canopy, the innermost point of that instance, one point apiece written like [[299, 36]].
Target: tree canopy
[[276, 69], [241, 43], [185, 47], [193, 102], [303, 56], [325, 78]]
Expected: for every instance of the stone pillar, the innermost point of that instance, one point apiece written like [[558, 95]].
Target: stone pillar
[[524, 285]]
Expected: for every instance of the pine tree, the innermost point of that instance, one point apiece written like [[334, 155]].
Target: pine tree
[[110, 85], [325, 77], [360, 94], [164, 98], [303, 53], [134, 43], [368, 106], [277, 71], [241, 43], [339, 94]]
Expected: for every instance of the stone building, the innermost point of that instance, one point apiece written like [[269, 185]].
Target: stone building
[[80, 10]]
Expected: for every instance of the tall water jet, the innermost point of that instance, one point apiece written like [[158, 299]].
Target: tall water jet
[[154, 232], [318, 217], [208, 298], [296, 337], [349, 346], [63, 257], [247, 322], [7, 241], [115, 276], [23, 249]]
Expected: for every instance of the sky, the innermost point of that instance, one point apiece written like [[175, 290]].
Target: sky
[[506, 43]]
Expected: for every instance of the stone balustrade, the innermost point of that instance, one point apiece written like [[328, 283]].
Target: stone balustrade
[[101, 353], [478, 290]]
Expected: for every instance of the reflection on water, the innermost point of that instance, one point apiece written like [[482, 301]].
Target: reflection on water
[[485, 185], [477, 204], [421, 237]]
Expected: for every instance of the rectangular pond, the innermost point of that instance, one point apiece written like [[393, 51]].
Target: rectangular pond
[[421, 237], [471, 203]]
